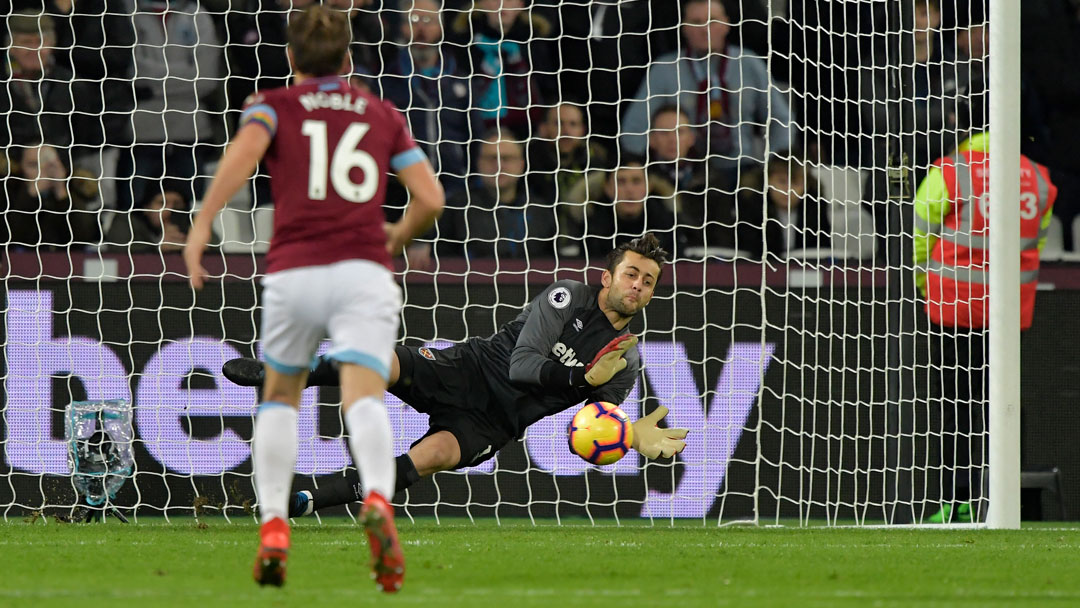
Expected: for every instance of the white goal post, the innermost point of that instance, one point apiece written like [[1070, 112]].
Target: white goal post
[[1004, 452]]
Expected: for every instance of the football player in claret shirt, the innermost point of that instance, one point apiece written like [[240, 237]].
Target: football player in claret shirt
[[328, 147], [570, 344]]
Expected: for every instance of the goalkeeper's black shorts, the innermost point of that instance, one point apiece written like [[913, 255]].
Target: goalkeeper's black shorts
[[448, 385]]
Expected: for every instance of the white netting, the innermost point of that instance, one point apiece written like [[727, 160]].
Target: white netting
[[806, 379]]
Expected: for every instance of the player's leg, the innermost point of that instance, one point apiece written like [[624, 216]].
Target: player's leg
[[372, 442], [439, 451], [363, 330], [971, 425], [290, 332], [274, 448], [944, 356], [963, 424], [370, 436], [447, 386]]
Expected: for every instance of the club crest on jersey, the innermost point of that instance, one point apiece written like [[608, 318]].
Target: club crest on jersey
[[559, 297], [426, 353]]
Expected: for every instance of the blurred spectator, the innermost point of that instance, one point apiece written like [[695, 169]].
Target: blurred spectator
[[256, 60], [782, 211], [47, 207], [368, 30], [907, 94], [815, 49], [625, 211], [603, 48], [255, 56], [177, 71], [425, 81], [495, 216], [161, 224], [94, 40], [41, 103], [511, 60], [562, 154], [973, 47], [726, 92], [703, 195], [672, 155], [1051, 42]]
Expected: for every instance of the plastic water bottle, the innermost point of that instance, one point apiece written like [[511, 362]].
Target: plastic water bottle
[[100, 452]]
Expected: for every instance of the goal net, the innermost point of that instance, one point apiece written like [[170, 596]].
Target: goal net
[[775, 147]]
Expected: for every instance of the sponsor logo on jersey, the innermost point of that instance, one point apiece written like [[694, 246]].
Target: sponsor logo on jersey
[[578, 324], [426, 353], [559, 298], [565, 355]]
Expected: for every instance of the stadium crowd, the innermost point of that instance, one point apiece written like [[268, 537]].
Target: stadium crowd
[[556, 128]]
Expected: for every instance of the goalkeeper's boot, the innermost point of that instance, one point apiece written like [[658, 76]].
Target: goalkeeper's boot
[[943, 516], [273, 550], [301, 504], [963, 512], [244, 371], [387, 560]]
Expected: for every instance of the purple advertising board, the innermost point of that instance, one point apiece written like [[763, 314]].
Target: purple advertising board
[[782, 420]]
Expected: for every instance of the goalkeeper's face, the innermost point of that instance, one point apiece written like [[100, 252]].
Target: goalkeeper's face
[[631, 287]]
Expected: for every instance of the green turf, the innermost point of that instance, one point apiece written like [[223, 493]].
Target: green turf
[[518, 564]]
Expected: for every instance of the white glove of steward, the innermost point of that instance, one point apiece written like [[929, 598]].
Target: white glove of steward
[[653, 442]]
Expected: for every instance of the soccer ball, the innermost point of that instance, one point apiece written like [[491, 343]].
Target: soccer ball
[[600, 433]]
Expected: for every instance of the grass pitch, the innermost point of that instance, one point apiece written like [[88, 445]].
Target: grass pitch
[[517, 564]]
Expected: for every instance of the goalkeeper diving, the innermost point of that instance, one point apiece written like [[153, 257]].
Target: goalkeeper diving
[[571, 344]]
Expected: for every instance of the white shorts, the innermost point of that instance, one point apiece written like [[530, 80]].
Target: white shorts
[[356, 303]]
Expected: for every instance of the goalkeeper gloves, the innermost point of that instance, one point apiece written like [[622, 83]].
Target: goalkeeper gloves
[[609, 361], [652, 441]]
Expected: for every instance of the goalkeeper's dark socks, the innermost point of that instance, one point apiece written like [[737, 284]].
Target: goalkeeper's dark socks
[[323, 373], [406, 473], [332, 492], [335, 491]]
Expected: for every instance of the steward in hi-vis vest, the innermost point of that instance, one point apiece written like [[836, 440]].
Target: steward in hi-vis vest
[[952, 234], [952, 240]]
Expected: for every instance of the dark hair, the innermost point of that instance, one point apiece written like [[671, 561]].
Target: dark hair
[[688, 3], [627, 160], [664, 109], [552, 112], [645, 245], [319, 38], [164, 187], [786, 163]]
